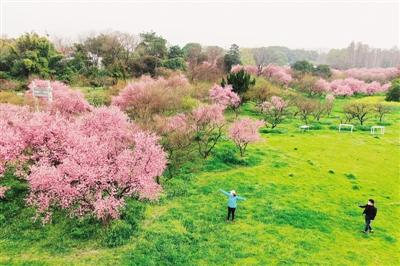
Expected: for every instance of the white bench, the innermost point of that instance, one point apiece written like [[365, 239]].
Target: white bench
[[346, 125], [381, 128], [303, 128]]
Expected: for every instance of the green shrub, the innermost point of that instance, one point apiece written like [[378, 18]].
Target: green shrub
[[315, 126], [117, 234], [273, 131], [384, 123], [228, 156], [363, 128], [240, 81], [393, 93]]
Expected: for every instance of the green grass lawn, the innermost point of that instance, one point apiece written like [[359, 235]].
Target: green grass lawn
[[302, 190]]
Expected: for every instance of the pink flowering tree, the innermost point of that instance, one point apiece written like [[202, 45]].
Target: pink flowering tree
[[277, 74], [225, 96], [146, 98], [66, 101], [86, 165], [274, 110], [321, 86], [177, 140], [207, 122], [351, 86], [373, 74], [243, 132], [339, 87], [249, 69]]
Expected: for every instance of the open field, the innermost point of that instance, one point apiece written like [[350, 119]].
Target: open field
[[302, 193]]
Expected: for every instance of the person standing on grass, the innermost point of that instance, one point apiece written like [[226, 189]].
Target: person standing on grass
[[232, 203], [370, 212]]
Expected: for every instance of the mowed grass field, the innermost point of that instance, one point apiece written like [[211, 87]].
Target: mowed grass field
[[302, 190]]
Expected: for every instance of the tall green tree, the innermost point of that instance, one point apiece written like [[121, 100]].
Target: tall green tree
[[153, 45], [232, 57], [240, 81], [32, 54], [303, 67]]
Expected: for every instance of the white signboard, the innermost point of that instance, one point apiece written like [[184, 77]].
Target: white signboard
[[43, 91]]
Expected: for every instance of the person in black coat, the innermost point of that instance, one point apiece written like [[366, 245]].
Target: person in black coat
[[370, 212]]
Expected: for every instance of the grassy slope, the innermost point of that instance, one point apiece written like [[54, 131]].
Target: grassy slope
[[302, 208]]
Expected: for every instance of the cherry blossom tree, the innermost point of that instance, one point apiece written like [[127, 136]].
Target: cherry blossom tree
[[67, 101], [351, 86], [243, 132], [208, 122], [144, 99], [373, 74], [225, 96], [322, 86], [274, 111], [340, 88], [86, 165], [252, 70], [280, 75], [177, 140]]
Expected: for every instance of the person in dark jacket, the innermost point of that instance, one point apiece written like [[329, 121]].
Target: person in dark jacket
[[370, 212]]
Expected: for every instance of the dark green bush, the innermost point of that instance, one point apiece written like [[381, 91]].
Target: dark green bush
[[117, 234], [229, 156], [315, 126], [273, 131], [363, 128], [393, 93]]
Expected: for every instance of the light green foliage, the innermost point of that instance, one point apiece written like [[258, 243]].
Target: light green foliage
[[246, 56], [302, 190], [31, 54], [97, 96]]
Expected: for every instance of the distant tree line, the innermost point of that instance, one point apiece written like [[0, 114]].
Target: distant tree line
[[358, 55], [105, 58]]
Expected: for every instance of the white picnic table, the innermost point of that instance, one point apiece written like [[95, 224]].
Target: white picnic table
[[304, 128], [346, 125], [381, 128]]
